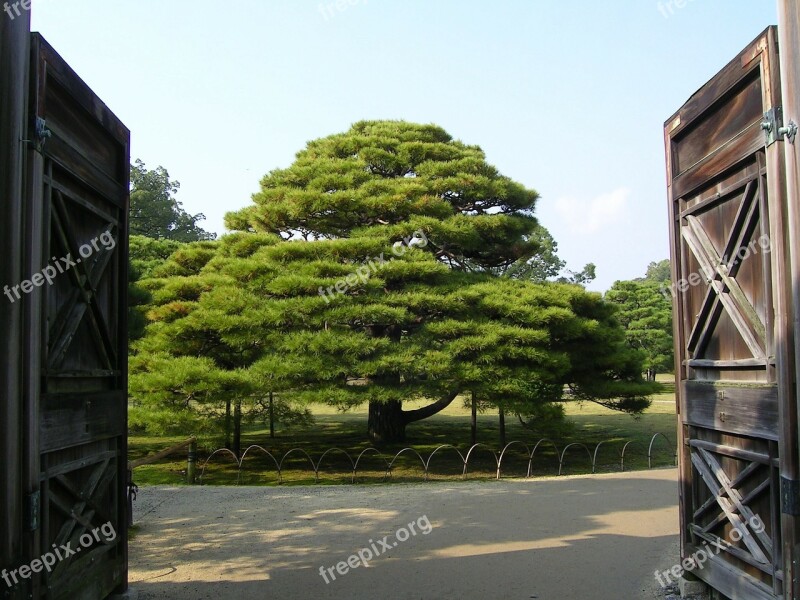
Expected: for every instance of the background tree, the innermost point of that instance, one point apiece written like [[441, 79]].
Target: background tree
[[294, 304], [583, 277], [646, 314], [660, 271], [144, 255], [138, 298], [186, 376], [544, 265], [156, 213]]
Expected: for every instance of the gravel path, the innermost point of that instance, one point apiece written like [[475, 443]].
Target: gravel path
[[580, 538]]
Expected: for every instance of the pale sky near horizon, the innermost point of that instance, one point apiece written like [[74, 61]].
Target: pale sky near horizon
[[567, 97]]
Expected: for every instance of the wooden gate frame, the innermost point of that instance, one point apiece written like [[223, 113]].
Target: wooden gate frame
[[782, 224], [28, 191]]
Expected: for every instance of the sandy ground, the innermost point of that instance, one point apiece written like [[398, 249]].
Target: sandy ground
[[592, 537]]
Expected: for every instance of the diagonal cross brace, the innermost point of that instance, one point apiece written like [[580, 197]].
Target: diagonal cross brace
[[719, 484]]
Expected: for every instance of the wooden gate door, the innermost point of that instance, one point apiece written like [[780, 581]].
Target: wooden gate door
[[78, 204], [732, 347]]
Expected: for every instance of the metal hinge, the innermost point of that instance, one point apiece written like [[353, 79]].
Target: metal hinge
[[790, 496], [774, 129], [42, 134], [34, 509]]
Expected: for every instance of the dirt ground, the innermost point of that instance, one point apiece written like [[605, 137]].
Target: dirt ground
[[595, 537]]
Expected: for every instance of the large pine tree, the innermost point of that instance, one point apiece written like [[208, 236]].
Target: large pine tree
[[365, 272]]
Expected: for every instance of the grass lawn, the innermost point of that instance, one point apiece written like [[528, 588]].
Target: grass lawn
[[592, 424]]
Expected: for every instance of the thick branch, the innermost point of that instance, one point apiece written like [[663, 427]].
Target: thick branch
[[412, 416]]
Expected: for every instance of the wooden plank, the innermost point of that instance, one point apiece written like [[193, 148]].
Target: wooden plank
[[749, 411], [725, 193], [74, 465], [717, 542], [733, 452], [727, 79], [94, 576], [736, 113], [62, 155], [80, 200], [732, 582], [739, 149], [59, 70], [69, 421], [159, 455], [740, 363]]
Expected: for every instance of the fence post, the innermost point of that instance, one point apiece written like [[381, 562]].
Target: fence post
[[192, 463]]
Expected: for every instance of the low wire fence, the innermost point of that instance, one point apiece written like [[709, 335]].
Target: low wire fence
[[572, 453]]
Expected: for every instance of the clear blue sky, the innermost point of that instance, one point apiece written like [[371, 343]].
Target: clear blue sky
[[567, 97]]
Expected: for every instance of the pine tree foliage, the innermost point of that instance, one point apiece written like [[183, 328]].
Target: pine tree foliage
[[363, 273]]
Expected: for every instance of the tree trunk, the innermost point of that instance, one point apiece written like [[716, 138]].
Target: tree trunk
[[387, 422], [502, 428], [474, 431], [228, 424], [237, 429], [271, 416]]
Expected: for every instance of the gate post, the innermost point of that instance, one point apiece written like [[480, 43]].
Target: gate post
[[14, 60], [191, 465], [789, 44]]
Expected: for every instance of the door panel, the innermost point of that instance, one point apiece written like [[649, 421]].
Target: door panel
[[724, 254], [79, 194]]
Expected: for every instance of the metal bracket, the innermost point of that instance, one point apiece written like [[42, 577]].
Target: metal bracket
[[34, 509], [790, 496], [42, 133], [774, 129], [790, 131]]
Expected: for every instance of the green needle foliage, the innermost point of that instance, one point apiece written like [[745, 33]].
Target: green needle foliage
[[366, 273], [646, 314]]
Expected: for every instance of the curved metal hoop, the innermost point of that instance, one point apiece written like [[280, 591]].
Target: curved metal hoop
[[567, 447], [376, 451], [442, 447], [650, 449], [503, 452], [265, 451], [426, 463], [422, 460], [215, 452]]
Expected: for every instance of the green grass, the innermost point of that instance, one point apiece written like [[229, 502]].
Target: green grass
[[592, 424]]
